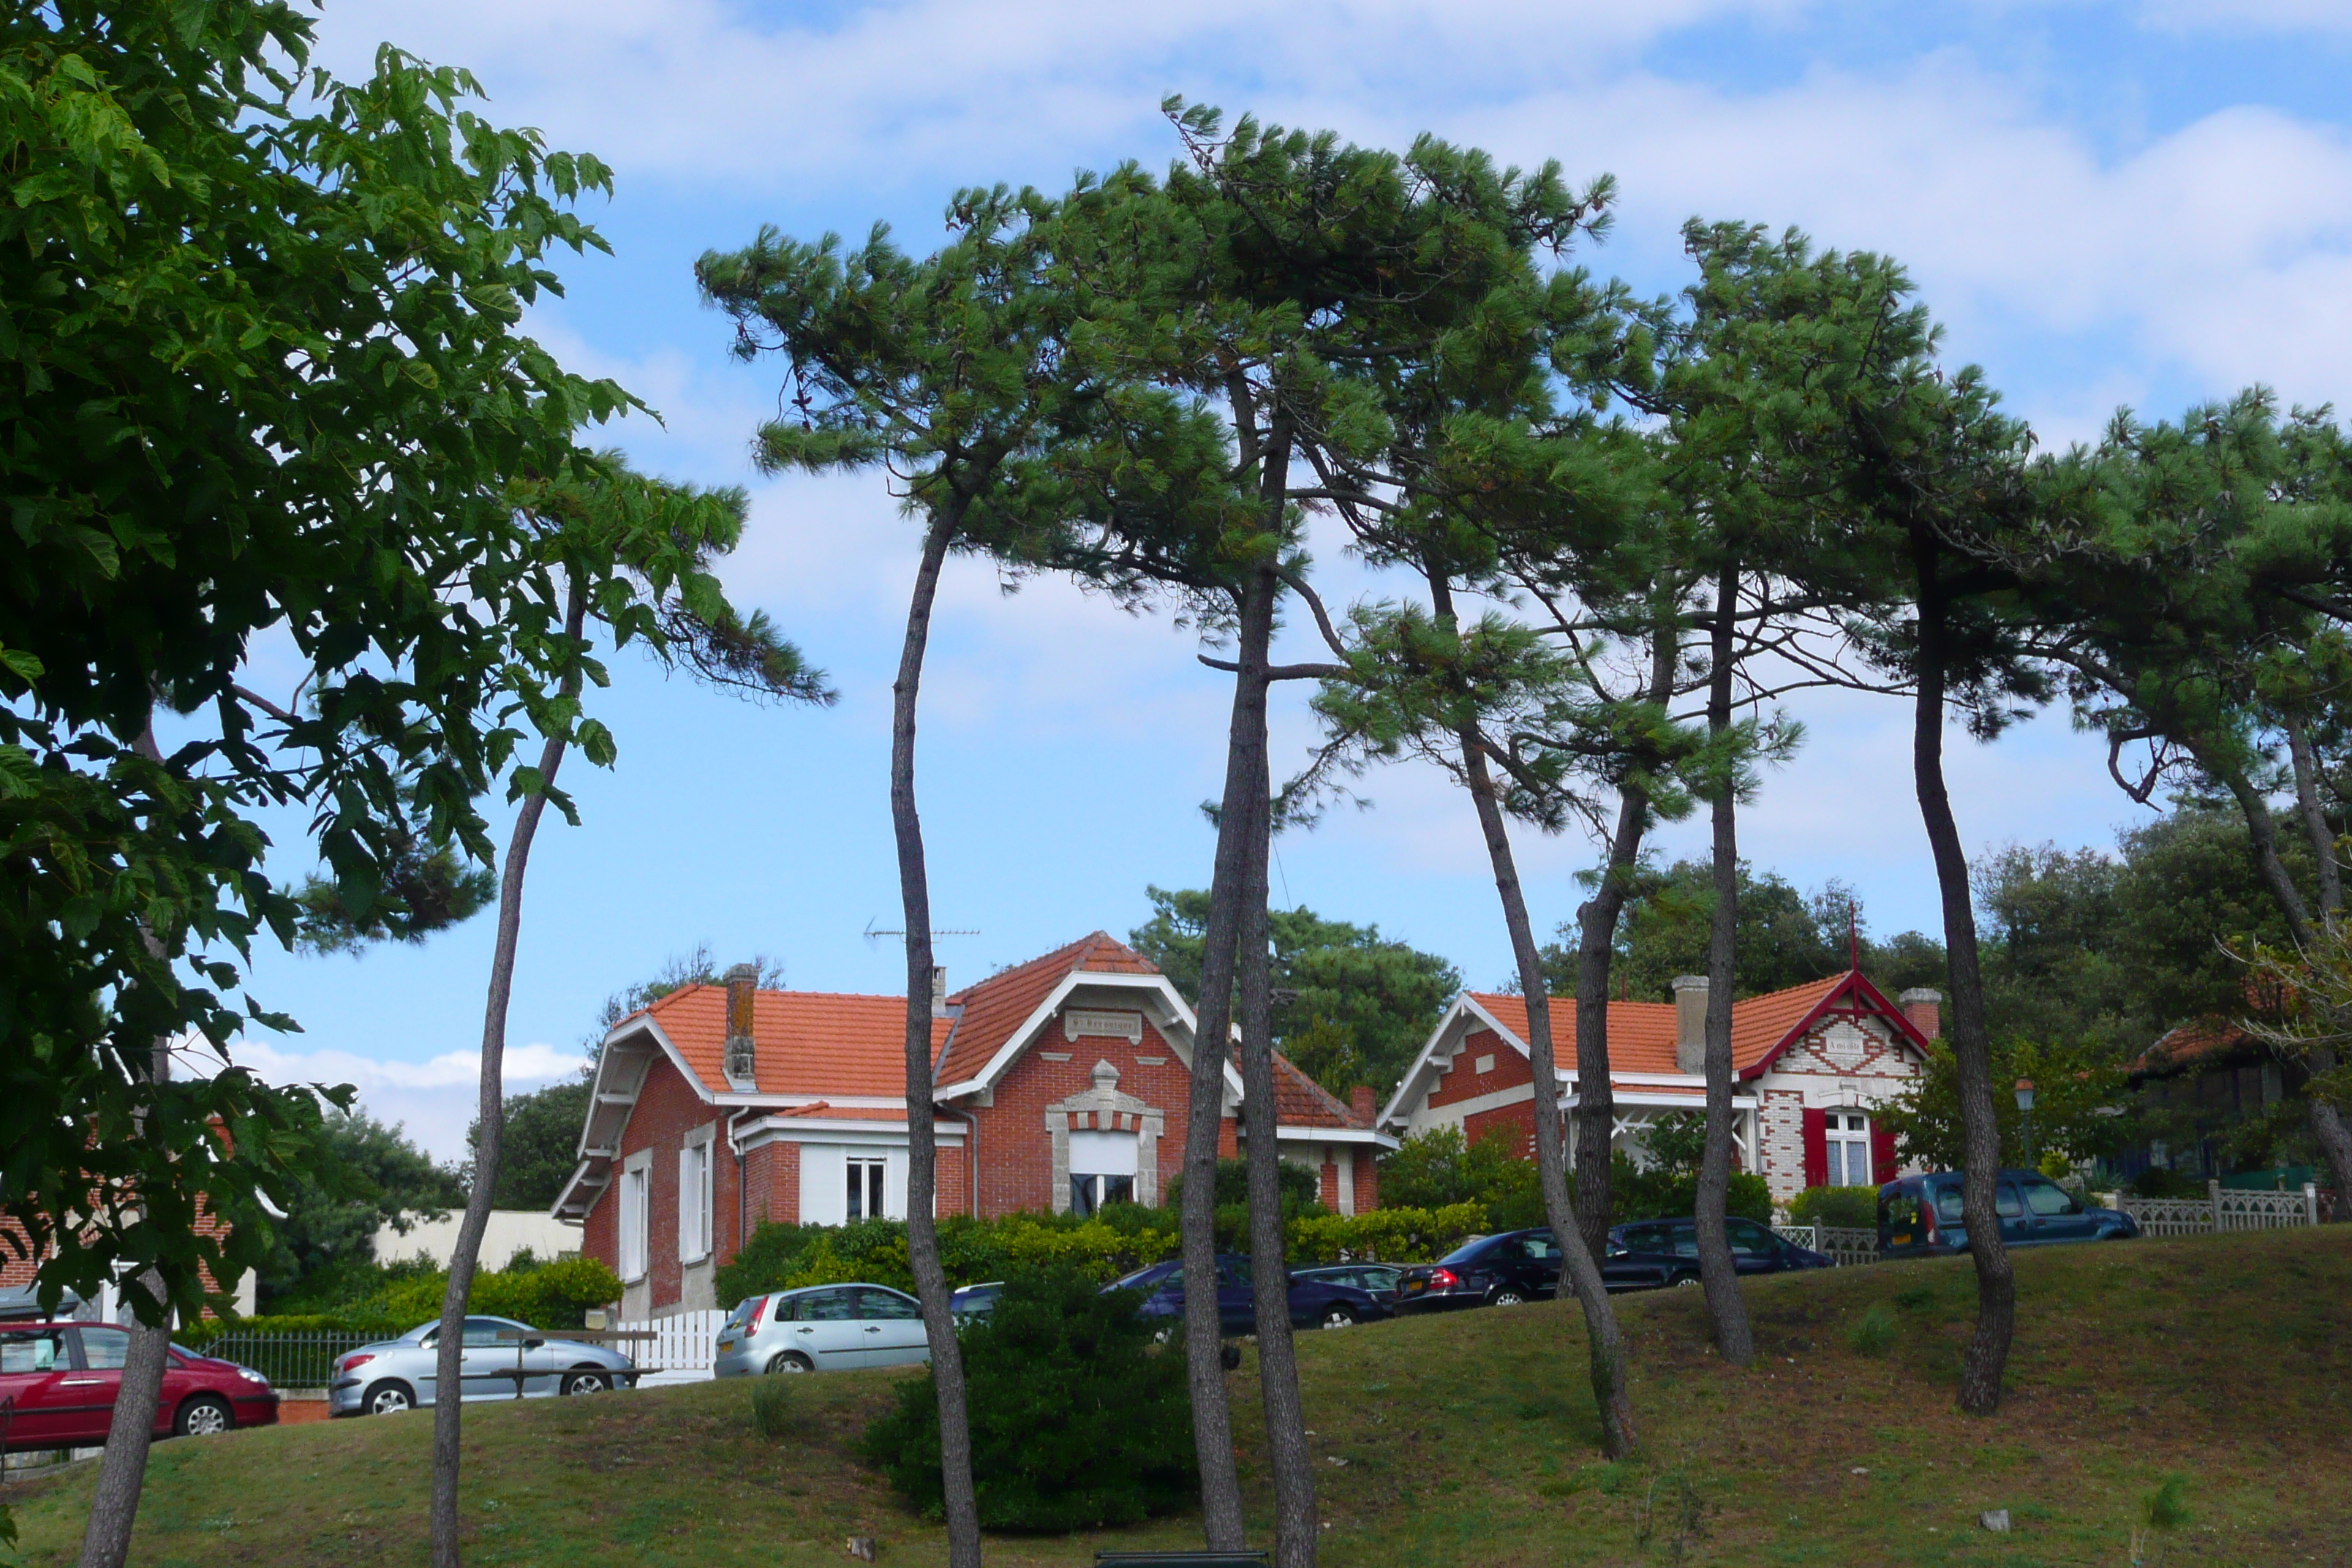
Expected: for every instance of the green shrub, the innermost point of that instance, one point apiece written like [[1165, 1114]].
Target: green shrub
[[775, 1410], [1438, 1168], [1077, 1420], [1849, 1208], [1653, 1192], [1390, 1235], [1873, 1332], [197, 1335], [2157, 1182]]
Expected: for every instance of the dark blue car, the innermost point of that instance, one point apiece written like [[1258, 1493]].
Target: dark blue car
[[1919, 1216], [1314, 1303]]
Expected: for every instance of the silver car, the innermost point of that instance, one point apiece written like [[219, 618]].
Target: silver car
[[496, 1355], [820, 1329]]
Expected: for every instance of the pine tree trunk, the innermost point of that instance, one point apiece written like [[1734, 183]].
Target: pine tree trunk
[[2315, 817], [1983, 1366], [448, 1389], [2327, 1127], [1245, 800], [122, 1468], [1579, 1273], [1596, 928], [922, 1143], [1295, 1521], [1733, 1336]]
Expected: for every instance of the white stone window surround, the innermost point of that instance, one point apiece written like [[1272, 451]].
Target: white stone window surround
[[694, 1190], [634, 1218], [1101, 1108]]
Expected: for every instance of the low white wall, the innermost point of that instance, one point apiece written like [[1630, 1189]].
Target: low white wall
[[510, 1231]]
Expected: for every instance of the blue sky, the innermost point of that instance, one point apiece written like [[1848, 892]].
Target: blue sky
[[2143, 204]]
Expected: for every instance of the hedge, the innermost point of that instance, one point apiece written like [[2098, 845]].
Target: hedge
[[1118, 1241], [545, 1295]]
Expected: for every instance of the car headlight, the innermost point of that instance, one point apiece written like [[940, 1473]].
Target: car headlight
[[250, 1375]]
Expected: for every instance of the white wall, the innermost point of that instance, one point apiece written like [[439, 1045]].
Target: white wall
[[510, 1231]]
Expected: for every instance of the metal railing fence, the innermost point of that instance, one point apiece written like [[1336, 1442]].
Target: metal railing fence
[[289, 1358], [2224, 1208]]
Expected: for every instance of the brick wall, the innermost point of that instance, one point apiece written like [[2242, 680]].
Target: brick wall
[[1510, 1071], [1812, 1073], [1016, 1151], [1368, 1179]]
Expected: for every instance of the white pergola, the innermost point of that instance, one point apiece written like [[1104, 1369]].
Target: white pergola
[[1641, 1100]]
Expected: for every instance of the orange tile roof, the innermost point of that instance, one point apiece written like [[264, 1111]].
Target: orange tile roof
[[1301, 1101], [808, 1042], [1641, 1034], [2192, 1042], [996, 1006]]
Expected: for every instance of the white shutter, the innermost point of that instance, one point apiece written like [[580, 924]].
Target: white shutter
[[632, 1224], [693, 1201]]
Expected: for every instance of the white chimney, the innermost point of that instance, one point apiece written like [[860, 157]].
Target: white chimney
[[940, 991], [1690, 1024]]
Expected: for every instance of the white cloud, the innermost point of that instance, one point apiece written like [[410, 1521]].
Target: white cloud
[[435, 1099]]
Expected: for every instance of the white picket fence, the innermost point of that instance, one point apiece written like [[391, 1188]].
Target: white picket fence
[[2224, 1208], [1845, 1246], [685, 1346]]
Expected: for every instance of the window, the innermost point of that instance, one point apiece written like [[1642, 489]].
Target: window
[[1849, 1149], [746, 1312], [635, 1217], [865, 1181], [1948, 1204], [2049, 1198], [694, 1201], [105, 1348], [2006, 1204], [877, 1305], [1541, 1249], [1685, 1239], [1751, 1239], [32, 1350], [1090, 1194], [827, 1307], [1644, 1238], [482, 1333]]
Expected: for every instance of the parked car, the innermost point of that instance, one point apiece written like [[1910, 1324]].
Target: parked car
[[1919, 1216], [1670, 1247], [975, 1300], [1378, 1280], [1314, 1303], [1524, 1265], [821, 1329], [393, 1375], [59, 1382]]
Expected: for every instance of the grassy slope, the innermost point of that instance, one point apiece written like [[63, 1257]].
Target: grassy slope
[[1467, 1440]]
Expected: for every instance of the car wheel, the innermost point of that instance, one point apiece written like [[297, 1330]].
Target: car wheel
[[388, 1399], [581, 1380], [1683, 1281], [788, 1361], [1507, 1296], [202, 1417], [1337, 1316]]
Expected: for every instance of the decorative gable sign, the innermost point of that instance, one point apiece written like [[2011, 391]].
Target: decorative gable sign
[[1078, 1023]]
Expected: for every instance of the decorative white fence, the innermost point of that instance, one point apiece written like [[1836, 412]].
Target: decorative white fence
[[684, 1346], [1846, 1246], [2224, 1208]]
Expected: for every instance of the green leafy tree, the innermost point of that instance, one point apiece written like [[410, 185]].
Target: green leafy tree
[[2081, 1107], [1433, 1169], [368, 1175], [1349, 1007], [538, 1144]]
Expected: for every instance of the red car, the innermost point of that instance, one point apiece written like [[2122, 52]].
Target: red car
[[59, 1381]]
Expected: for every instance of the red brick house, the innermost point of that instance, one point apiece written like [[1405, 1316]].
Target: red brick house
[[1062, 1083], [1811, 1063]]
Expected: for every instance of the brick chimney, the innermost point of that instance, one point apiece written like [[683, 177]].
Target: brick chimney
[[1690, 1023], [1360, 1102], [938, 991], [742, 1058], [1924, 1006]]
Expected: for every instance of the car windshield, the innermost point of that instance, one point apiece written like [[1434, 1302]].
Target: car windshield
[[745, 1311], [2049, 1198], [1469, 1251]]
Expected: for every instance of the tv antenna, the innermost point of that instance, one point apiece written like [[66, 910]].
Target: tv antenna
[[873, 935]]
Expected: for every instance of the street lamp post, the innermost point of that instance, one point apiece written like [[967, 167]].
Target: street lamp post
[[2025, 1108]]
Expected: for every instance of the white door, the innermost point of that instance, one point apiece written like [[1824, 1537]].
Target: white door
[[826, 1327], [892, 1327]]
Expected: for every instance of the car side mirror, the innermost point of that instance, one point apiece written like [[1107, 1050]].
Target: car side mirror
[[533, 1344]]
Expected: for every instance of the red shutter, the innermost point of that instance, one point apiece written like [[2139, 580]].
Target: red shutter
[[1882, 1153], [1817, 1147]]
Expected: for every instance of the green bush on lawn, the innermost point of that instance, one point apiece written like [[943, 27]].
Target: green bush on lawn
[[1849, 1208], [1078, 1420]]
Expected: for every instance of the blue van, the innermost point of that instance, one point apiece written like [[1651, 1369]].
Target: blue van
[[1919, 1216]]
